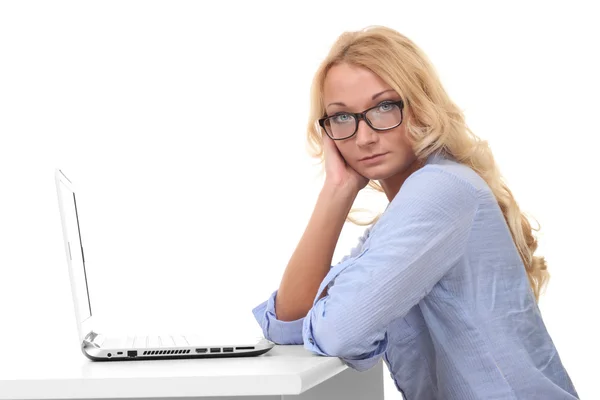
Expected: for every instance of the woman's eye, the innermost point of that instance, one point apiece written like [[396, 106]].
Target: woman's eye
[[385, 107], [341, 118]]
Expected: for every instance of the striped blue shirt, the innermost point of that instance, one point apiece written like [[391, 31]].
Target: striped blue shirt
[[437, 289]]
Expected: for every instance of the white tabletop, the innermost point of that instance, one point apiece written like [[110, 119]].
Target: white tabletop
[[283, 370]]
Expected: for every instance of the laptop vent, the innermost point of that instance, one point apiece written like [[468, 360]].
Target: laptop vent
[[164, 352]]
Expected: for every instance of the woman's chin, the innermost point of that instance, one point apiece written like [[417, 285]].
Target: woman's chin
[[375, 174]]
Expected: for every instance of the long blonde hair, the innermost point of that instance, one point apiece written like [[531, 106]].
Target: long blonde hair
[[437, 124]]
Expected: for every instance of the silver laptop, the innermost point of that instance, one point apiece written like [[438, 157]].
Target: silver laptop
[[98, 347]]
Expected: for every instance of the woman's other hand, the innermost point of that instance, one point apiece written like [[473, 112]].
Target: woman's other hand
[[338, 172]]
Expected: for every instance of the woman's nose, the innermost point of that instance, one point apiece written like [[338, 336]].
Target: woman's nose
[[365, 134]]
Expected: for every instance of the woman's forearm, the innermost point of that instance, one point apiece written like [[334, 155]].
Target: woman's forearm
[[311, 260]]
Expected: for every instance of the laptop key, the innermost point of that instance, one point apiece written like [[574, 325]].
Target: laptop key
[[140, 342], [153, 342], [180, 341], [167, 341]]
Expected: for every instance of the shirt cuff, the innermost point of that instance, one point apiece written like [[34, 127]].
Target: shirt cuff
[[279, 332]]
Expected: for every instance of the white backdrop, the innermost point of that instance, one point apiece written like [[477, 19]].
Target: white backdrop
[[183, 126]]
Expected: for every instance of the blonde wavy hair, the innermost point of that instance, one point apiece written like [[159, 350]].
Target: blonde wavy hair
[[437, 125]]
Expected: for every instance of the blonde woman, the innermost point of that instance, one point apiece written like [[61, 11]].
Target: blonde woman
[[444, 284]]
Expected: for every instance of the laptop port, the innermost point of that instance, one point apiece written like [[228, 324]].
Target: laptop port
[[131, 353], [215, 350], [227, 349], [201, 350], [245, 348]]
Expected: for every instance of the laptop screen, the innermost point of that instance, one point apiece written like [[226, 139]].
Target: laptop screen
[[75, 252]]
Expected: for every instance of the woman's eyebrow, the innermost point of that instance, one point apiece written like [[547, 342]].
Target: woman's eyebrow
[[372, 98]]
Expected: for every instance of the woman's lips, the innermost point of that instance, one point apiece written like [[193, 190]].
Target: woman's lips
[[373, 160]]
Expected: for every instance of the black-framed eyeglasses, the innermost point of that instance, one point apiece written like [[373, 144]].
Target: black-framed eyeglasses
[[382, 117]]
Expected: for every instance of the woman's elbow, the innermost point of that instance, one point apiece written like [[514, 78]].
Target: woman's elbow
[[336, 341]]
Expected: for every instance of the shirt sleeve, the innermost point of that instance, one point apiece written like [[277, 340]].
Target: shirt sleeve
[[290, 332], [417, 240]]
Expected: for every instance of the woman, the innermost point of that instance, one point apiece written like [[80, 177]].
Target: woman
[[444, 286]]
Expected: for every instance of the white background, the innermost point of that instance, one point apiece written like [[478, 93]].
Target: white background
[[183, 126]]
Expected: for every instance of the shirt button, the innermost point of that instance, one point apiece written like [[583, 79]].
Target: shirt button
[[311, 341]]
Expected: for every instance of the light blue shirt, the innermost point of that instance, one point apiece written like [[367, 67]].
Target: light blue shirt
[[437, 289]]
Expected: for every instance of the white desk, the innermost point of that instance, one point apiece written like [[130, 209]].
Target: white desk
[[286, 372]]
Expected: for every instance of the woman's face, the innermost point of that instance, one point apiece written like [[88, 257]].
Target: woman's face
[[357, 89]]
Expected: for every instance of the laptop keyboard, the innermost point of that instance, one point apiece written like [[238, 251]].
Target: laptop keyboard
[[172, 341]]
